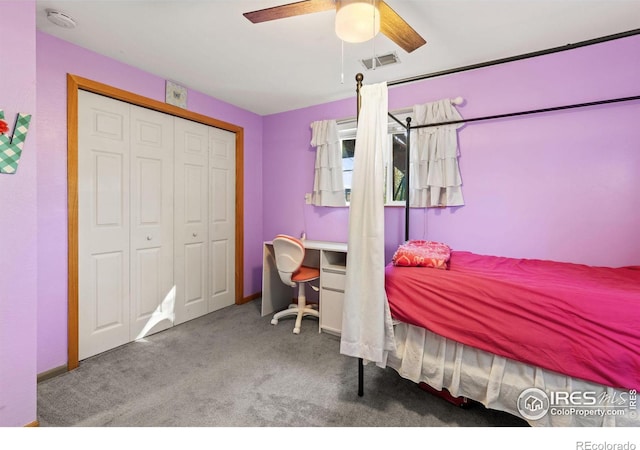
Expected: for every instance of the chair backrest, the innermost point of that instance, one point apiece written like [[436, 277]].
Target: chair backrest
[[289, 256]]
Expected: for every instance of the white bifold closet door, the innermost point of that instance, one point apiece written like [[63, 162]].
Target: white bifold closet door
[[222, 218], [192, 212], [104, 224], [204, 219], [151, 253]]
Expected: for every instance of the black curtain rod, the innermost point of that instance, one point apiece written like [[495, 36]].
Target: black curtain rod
[[397, 120], [522, 113], [518, 57]]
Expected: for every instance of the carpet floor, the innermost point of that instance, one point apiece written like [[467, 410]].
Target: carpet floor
[[232, 368]]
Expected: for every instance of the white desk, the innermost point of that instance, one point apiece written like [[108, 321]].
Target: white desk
[[331, 258]]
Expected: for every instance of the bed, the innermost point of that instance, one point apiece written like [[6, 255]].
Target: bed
[[509, 333], [488, 328]]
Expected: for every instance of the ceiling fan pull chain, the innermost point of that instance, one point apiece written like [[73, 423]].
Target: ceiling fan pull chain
[[342, 62], [373, 21], [373, 57]]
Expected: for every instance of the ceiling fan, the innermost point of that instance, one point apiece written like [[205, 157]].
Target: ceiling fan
[[356, 20]]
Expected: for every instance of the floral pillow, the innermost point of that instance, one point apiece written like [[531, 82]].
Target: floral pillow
[[422, 254]]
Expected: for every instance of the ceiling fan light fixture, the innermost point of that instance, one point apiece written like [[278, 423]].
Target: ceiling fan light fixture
[[357, 20]]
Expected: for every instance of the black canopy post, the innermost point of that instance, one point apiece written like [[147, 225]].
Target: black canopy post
[[359, 78], [406, 181]]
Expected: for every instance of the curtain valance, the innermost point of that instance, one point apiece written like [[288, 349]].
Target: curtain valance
[[328, 185], [435, 179]]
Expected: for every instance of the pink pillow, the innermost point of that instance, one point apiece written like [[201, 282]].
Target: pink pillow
[[422, 254]]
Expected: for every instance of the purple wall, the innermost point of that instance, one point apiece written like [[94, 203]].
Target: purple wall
[[560, 186], [56, 58], [18, 225], [288, 168]]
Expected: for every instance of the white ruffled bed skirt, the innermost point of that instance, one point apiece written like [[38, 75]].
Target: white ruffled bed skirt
[[494, 381]]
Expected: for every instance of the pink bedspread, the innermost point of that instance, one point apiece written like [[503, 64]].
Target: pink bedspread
[[574, 319]]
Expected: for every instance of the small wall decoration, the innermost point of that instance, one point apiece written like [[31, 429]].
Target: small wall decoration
[[176, 94], [11, 149]]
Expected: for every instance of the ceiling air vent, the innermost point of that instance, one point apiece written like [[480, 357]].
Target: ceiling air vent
[[380, 60]]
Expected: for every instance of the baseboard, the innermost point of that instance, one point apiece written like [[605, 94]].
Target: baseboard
[[52, 373], [35, 423], [250, 298]]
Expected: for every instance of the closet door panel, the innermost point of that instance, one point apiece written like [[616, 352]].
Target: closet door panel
[[222, 157], [103, 217], [108, 170], [194, 264], [108, 313], [152, 165], [220, 271], [191, 219], [195, 211], [148, 262]]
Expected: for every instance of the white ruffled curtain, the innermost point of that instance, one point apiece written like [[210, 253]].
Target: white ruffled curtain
[[435, 179], [328, 185], [367, 330]]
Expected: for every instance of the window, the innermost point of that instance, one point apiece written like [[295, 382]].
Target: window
[[395, 189], [348, 145], [396, 192]]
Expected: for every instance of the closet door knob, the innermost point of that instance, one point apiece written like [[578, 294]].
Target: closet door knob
[[195, 234], [148, 238]]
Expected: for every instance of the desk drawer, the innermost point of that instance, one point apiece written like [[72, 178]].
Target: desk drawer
[[333, 279], [331, 303]]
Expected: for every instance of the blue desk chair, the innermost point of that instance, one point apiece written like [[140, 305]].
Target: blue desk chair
[[289, 256]]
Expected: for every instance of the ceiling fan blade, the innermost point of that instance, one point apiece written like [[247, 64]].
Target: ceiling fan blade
[[395, 28], [290, 10]]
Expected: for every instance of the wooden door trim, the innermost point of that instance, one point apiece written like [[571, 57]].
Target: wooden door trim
[[76, 83]]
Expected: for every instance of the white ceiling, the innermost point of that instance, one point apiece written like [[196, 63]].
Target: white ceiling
[[296, 62]]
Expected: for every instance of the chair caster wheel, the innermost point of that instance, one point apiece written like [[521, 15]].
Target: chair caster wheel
[[296, 331], [274, 321]]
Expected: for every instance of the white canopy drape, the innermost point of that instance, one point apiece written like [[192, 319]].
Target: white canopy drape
[[434, 173], [367, 330], [328, 186]]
